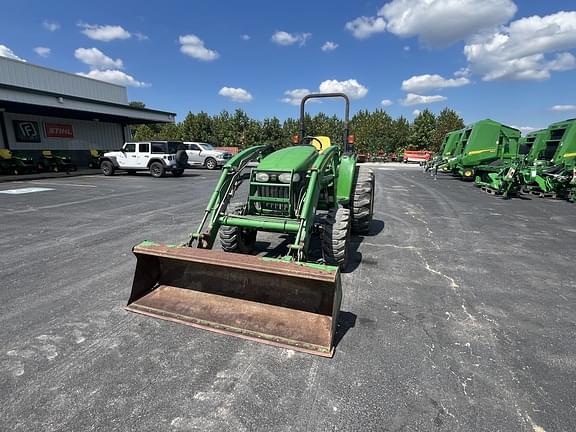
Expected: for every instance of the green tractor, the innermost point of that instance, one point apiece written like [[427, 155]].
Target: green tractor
[[15, 163], [508, 181], [291, 300], [55, 161]]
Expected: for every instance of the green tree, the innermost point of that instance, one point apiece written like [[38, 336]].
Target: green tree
[[448, 120], [271, 131], [197, 127], [400, 135], [423, 131], [137, 105]]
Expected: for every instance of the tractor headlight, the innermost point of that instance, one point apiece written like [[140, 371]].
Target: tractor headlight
[[262, 177], [289, 177]]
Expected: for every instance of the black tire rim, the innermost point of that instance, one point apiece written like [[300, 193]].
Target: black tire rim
[[156, 170]]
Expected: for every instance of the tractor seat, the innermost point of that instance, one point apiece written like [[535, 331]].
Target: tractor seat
[[5, 154], [94, 153], [321, 143], [47, 154]]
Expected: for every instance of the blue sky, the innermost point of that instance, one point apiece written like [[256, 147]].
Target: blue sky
[[509, 60]]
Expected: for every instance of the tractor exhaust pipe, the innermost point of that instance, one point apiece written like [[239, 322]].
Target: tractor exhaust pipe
[[285, 304]]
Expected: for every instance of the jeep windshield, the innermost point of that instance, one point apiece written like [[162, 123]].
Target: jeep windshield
[[170, 147]]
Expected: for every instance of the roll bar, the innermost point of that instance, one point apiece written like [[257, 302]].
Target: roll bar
[[326, 95]]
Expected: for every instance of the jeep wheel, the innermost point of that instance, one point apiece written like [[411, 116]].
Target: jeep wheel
[[157, 169], [210, 163], [107, 168]]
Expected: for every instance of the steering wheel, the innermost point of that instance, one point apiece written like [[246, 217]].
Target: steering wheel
[[312, 138]]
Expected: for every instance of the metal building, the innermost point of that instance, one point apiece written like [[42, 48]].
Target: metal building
[[45, 109]]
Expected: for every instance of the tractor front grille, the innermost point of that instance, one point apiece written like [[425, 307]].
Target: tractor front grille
[[273, 192]]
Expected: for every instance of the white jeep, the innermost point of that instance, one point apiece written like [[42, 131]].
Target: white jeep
[[203, 154], [158, 157]]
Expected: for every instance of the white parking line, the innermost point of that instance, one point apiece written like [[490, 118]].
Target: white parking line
[[63, 184], [21, 191]]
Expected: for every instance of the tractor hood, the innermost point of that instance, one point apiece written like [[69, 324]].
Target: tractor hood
[[296, 158]]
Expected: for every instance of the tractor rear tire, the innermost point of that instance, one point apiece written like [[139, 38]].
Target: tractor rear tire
[[236, 239], [362, 205], [336, 236]]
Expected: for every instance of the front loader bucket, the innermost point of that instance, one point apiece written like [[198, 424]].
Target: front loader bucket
[[274, 302]]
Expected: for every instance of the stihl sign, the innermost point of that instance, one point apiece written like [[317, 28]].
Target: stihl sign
[[58, 130]]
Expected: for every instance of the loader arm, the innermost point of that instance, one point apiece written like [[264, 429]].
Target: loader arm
[[307, 209], [228, 182]]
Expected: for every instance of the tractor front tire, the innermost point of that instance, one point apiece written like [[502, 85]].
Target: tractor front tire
[[362, 205], [236, 239], [335, 237]]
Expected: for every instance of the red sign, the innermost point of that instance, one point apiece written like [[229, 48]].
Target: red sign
[[54, 130]]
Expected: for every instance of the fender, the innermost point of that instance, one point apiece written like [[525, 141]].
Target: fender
[[111, 159], [346, 178], [162, 161]]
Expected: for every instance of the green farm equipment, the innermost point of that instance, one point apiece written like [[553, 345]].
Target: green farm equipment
[[484, 147], [291, 300], [95, 155], [55, 161], [446, 151], [15, 163], [552, 173], [508, 181]]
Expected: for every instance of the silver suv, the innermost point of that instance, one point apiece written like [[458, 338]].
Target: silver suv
[[203, 154]]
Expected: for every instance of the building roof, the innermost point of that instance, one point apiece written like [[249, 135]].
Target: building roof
[[35, 89]]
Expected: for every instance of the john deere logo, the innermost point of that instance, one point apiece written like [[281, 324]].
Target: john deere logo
[[26, 131]]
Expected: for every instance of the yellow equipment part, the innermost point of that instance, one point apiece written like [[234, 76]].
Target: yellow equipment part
[[47, 153], [5, 154], [321, 143], [94, 153]]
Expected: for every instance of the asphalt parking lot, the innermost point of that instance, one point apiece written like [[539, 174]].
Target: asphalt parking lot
[[460, 316]]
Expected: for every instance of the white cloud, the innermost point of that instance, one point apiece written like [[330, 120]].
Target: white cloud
[[285, 38], [386, 102], [416, 99], [527, 49], [416, 112], [42, 51], [406, 48], [104, 33], [140, 36], [439, 23], [294, 97], [96, 59], [193, 46], [329, 46], [562, 108], [351, 87], [427, 82], [245, 37], [8, 53], [114, 77], [236, 94], [51, 25], [363, 27], [526, 129]]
